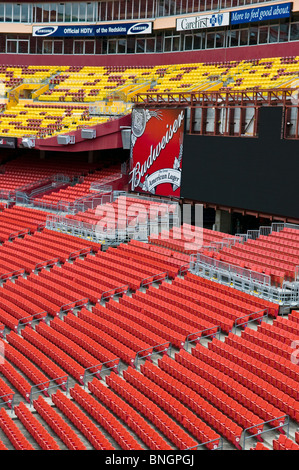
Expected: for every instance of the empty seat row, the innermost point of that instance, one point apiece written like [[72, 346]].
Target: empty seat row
[[104, 417], [58, 425], [35, 428], [81, 421]]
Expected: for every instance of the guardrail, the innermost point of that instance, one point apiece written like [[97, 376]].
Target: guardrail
[[166, 349], [10, 402], [260, 433], [69, 307], [258, 319], [197, 336], [64, 385], [219, 446], [33, 319], [114, 366], [116, 291]]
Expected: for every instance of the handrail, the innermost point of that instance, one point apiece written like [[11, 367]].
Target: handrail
[[63, 384], [259, 433]]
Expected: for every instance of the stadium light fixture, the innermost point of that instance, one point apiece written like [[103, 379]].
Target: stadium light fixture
[[28, 142], [65, 139], [88, 133]]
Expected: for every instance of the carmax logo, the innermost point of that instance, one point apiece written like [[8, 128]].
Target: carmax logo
[[140, 28], [45, 31]]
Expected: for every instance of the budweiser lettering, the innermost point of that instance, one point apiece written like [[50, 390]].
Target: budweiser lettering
[[141, 166]]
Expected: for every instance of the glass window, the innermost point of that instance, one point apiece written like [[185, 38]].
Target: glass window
[[196, 7], [104, 45], [263, 34], [284, 32], [11, 46], [176, 43], [53, 18], [122, 10], [112, 46], [2, 12], [198, 41], [129, 9], [16, 12], [150, 13], [210, 40], [109, 10], [150, 45], [190, 6], [60, 11], [82, 11], [171, 7], [47, 47], [183, 6], [159, 43], [253, 32], [130, 44], [38, 13], [273, 33], [208, 5], [67, 12], [140, 45], [188, 43], [99, 46], [89, 12], [220, 39], [24, 13], [122, 43], [78, 47], [116, 10], [46, 13], [58, 47], [8, 12], [167, 44], [243, 37], [142, 9], [89, 47], [233, 38], [39, 45], [75, 12], [23, 47], [294, 34]]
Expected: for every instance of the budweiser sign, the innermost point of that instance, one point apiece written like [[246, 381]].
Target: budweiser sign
[[156, 151]]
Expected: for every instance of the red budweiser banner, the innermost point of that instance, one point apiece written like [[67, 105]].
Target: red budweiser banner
[[156, 151]]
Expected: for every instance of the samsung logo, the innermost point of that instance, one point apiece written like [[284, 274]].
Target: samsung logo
[[139, 28], [45, 31]]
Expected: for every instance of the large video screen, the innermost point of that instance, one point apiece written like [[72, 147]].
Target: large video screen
[[157, 151], [258, 174]]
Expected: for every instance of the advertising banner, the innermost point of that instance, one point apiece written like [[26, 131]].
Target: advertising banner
[[156, 151], [202, 21], [123, 29], [111, 29], [264, 13], [8, 142]]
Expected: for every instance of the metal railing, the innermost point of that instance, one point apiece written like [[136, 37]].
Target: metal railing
[[117, 291], [9, 402], [148, 281], [222, 269], [219, 445], [252, 320], [197, 336], [47, 386], [70, 306], [281, 425], [32, 319], [115, 364], [166, 349]]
